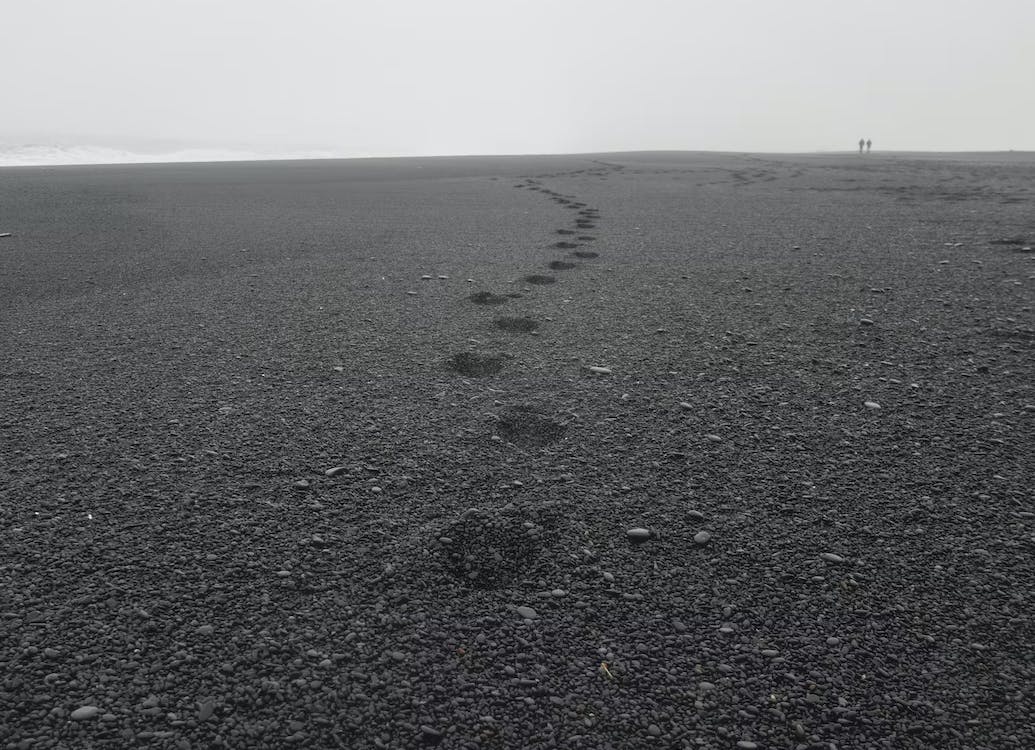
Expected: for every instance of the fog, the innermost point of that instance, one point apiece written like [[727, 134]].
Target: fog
[[386, 78]]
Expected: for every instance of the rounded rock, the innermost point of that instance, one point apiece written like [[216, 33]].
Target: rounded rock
[[527, 613], [85, 713], [830, 557], [702, 537], [638, 535]]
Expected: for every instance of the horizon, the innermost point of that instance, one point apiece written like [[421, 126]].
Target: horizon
[[81, 156]]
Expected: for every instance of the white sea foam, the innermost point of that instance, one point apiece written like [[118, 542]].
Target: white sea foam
[[39, 155]]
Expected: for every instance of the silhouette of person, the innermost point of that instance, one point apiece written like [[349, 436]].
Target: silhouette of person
[[861, 144], [868, 144]]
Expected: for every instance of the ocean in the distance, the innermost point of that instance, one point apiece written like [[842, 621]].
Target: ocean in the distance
[[34, 155]]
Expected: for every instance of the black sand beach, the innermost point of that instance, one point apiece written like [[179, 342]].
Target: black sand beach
[[825, 363]]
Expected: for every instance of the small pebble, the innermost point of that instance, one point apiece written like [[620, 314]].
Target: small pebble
[[335, 471], [696, 515], [747, 745], [527, 613], [425, 277], [713, 438], [686, 406], [206, 709], [654, 730], [600, 370], [430, 734], [702, 537], [85, 713], [638, 535], [206, 630], [865, 322], [830, 557], [871, 404]]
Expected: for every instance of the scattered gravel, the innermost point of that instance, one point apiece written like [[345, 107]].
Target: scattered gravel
[[164, 582]]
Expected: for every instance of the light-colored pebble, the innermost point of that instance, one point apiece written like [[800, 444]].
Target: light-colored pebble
[[638, 534], [85, 713]]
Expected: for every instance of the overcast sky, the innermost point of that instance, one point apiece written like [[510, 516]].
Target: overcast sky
[[402, 77]]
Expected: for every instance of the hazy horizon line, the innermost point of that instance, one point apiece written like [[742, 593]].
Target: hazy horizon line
[[36, 155]]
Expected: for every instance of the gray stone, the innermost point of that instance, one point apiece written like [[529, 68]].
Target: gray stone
[[85, 713], [638, 535]]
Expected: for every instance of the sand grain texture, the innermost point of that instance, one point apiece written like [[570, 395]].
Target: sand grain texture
[[188, 349]]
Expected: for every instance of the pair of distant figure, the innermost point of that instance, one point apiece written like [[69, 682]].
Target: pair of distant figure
[[867, 143]]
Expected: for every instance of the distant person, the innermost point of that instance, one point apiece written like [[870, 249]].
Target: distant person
[[861, 144], [869, 143]]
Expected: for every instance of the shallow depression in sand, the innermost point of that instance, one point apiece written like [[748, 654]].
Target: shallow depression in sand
[[476, 365], [540, 279], [517, 324]]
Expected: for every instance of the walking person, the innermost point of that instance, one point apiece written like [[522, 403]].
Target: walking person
[[869, 143], [861, 144]]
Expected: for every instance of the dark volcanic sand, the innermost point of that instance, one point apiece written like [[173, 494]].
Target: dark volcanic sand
[[187, 349]]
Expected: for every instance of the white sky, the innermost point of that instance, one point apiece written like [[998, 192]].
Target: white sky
[[399, 77]]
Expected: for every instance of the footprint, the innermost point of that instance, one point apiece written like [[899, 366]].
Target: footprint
[[492, 549], [565, 245], [561, 265], [523, 426], [565, 231], [586, 237], [475, 365], [583, 224], [517, 325], [539, 279], [585, 254], [487, 298]]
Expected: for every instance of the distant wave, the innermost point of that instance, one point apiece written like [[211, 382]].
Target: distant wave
[[42, 156]]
